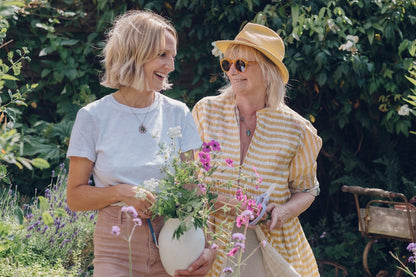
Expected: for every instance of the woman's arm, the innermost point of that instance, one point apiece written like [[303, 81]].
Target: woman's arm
[[81, 196], [297, 204]]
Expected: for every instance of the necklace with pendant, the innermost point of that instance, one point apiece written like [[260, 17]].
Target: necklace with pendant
[[248, 131], [142, 128]]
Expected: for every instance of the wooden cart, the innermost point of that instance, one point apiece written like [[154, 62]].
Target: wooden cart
[[393, 220]]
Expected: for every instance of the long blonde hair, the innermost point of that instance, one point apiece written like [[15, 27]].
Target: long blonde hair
[[136, 38]]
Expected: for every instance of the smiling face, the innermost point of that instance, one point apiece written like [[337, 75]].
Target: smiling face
[[249, 82], [156, 70]]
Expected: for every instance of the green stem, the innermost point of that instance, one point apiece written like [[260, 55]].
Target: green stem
[[130, 261]]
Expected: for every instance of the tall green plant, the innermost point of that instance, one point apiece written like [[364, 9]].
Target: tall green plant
[[10, 139]]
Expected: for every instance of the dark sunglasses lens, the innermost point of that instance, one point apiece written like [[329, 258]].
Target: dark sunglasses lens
[[225, 65], [240, 65]]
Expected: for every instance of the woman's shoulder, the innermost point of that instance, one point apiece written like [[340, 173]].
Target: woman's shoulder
[[290, 117], [169, 102], [215, 102], [99, 104]]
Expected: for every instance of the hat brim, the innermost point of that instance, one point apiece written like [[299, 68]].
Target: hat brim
[[224, 44]]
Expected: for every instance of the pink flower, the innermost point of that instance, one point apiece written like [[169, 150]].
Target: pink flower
[[229, 162], [204, 157], [264, 243], [232, 252], [202, 187], [130, 210], [214, 246], [241, 220], [251, 203], [206, 166], [206, 147], [215, 145], [240, 196], [115, 230], [228, 270], [260, 179]]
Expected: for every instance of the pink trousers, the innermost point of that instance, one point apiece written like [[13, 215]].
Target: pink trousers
[[112, 251]]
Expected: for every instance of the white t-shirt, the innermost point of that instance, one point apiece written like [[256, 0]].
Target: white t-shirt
[[106, 132]]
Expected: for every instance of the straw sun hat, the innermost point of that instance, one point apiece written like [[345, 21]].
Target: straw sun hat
[[264, 40]]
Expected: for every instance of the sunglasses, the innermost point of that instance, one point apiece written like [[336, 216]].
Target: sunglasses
[[240, 64]]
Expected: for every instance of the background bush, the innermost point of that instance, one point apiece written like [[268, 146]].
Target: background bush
[[347, 62]]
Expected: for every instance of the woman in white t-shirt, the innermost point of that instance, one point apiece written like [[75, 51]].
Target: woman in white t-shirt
[[117, 137]]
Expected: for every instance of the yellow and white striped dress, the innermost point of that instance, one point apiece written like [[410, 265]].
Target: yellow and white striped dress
[[283, 150]]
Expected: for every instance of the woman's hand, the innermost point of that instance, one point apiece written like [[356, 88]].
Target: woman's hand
[[201, 266], [296, 205], [140, 198], [278, 216]]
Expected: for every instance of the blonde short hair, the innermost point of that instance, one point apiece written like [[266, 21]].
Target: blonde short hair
[[136, 38], [275, 87]]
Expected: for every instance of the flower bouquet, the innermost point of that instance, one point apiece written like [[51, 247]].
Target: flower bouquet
[[186, 197]]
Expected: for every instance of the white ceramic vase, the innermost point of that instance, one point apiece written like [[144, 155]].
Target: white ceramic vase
[[179, 253]]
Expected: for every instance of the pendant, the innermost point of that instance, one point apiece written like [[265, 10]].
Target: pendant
[[248, 132], [142, 129]]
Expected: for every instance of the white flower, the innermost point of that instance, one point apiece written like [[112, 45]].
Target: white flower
[[354, 39], [215, 51], [151, 185], [404, 110], [350, 44], [175, 132]]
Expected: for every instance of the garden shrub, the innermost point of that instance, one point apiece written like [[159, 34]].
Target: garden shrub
[[44, 233]]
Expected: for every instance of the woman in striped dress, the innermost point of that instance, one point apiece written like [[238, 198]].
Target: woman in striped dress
[[257, 130]]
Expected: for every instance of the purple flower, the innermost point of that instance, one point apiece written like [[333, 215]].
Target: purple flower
[[228, 270], [215, 145], [130, 210], [229, 162], [115, 230], [238, 236], [411, 247], [411, 259], [247, 214], [214, 246], [323, 235], [137, 221], [240, 245], [48, 193]]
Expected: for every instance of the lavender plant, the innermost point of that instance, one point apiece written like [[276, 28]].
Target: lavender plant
[[45, 231]]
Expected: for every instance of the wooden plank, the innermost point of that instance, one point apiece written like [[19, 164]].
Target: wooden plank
[[387, 222]]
